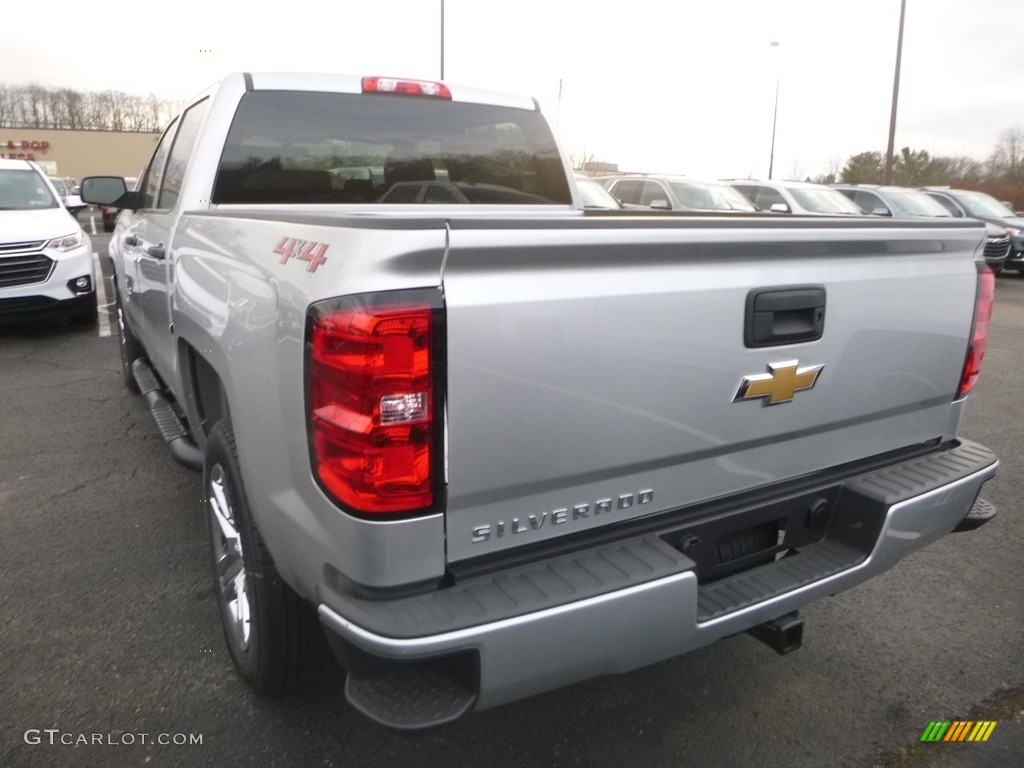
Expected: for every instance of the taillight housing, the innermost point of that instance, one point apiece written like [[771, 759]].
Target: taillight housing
[[374, 368], [406, 87], [983, 301]]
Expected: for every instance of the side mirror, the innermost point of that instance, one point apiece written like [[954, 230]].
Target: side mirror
[[661, 205], [881, 210], [779, 208], [106, 190]]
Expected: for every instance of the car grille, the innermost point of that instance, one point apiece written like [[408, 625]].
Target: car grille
[[34, 245], [997, 247], [19, 265]]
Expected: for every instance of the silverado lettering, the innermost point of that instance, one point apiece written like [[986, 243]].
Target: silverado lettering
[[560, 516]]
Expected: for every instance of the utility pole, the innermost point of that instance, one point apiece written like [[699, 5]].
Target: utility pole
[[442, 39], [895, 97], [775, 116]]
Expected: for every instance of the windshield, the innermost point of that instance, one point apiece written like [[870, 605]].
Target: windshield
[[289, 147], [910, 202], [24, 190], [824, 200], [980, 204], [710, 197]]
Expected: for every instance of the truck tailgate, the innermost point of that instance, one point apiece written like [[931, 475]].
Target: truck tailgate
[[594, 365]]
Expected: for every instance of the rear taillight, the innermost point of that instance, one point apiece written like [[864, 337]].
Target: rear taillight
[[373, 401], [404, 87], [983, 301]]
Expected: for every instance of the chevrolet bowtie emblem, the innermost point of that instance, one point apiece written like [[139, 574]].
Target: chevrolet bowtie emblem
[[782, 381]]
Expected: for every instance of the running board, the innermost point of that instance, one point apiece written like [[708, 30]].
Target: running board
[[184, 451]]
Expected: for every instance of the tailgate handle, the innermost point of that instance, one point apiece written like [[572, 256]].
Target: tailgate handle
[[784, 316]]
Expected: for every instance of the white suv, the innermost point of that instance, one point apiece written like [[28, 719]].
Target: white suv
[[796, 197], [46, 262]]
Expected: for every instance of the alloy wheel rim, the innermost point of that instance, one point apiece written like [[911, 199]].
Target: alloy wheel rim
[[229, 563]]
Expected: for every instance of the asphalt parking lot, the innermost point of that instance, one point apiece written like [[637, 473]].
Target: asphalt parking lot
[[108, 626]]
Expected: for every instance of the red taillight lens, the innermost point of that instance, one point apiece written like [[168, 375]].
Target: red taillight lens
[[371, 406], [983, 302], [406, 87]]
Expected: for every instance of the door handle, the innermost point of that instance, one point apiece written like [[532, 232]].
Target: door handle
[[157, 251], [784, 315]]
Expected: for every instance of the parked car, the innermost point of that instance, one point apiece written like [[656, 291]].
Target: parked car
[[978, 205], [109, 212], [46, 263], [676, 193], [906, 202], [796, 197], [892, 201], [594, 195], [67, 190]]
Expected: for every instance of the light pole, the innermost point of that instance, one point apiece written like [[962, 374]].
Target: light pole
[[775, 117], [442, 39], [895, 96]]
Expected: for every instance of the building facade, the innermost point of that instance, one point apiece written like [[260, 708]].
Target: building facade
[[76, 154]]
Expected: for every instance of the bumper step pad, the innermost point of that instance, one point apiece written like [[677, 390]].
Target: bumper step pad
[[410, 697], [750, 587], [981, 512]]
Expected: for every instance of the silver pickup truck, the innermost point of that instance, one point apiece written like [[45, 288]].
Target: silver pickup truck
[[492, 443]]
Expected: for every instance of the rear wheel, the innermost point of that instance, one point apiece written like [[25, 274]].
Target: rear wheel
[[269, 629]]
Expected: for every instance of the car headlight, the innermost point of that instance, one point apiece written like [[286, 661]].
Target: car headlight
[[68, 242]]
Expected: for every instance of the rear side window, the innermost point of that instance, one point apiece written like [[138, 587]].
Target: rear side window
[[867, 201], [628, 191], [653, 191], [946, 203], [286, 147], [763, 198]]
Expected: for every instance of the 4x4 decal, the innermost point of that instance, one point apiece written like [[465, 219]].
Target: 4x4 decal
[[291, 247]]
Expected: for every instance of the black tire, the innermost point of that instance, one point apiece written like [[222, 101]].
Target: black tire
[[271, 632], [130, 347], [108, 226]]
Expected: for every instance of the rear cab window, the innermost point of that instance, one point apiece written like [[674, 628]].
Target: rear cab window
[[308, 147]]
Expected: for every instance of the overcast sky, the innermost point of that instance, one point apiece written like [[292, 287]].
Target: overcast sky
[[682, 86]]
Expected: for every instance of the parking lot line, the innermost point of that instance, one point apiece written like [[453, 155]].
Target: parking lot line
[[101, 296]]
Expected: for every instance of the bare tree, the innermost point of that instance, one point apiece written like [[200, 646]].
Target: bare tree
[[36, 101], [7, 105], [1007, 160], [56, 109], [37, 106], [74, 103], [959, 170]]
